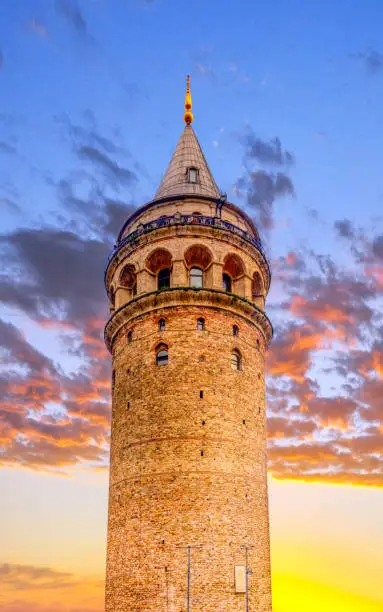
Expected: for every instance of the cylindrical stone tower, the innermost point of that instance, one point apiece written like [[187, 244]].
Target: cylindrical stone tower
[[188, 510]]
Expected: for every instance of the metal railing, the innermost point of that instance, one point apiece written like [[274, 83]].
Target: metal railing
[[179, 219]]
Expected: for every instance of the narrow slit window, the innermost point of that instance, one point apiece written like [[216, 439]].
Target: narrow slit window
[[235, 330], [201, 394], [130, 336], [226, 282], [162, 325], [236, 360], [201, 324], [162, 356]]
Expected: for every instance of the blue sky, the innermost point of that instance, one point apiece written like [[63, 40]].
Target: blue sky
[[296, 71]]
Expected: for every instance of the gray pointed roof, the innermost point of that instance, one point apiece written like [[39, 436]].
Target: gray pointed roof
[[188, 154]]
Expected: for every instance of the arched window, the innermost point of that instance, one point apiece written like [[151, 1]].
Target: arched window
[[130, 336], [162, 355], [226, 282], [236, 360], [232, 274], [200, 324], [257, 286], [162, 325], [128, 277], [198, 256], [235, 330], [163, 278], [112, 297], [196, 277], [159, 263]]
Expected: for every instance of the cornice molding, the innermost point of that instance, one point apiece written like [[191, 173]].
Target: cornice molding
[[187, 296]]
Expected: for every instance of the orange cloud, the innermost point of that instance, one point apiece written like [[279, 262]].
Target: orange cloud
[[328, 313], [42, 589]]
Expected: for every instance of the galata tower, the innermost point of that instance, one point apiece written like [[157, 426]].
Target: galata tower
[[188, 525]]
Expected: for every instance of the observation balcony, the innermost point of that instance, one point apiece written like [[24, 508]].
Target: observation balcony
[[179, 219]]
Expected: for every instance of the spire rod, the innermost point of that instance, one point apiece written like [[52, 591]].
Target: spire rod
[[188, 116]]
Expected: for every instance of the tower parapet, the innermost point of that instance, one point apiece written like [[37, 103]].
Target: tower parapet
[[187, 284]]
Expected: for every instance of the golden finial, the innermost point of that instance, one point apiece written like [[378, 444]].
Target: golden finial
[[188, 116]]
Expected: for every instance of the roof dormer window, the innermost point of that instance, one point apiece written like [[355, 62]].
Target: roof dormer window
[[192, 175]]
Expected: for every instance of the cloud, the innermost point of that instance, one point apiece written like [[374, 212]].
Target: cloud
[[23, 577], [372, 61], [10, 205], [266, 152], [117, 213], [34, 435], [377, 247], [57, 589], [37, 27], [54, 275], [263, 186], [113, 171], [282, 427], [325, 365], [291, 351], [60, 271], [28, 606], [324, 462], [89, 134], [345, 228], [101, 207], [10, 149], [70, 10], [204, 70], [202, 64], [19, 350]]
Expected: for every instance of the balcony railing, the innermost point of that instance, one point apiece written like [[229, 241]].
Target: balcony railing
[[179, 219]]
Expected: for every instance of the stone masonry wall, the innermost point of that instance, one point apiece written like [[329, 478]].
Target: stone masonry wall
[[185, 469]]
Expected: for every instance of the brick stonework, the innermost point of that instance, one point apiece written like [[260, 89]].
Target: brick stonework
[[185, 469]]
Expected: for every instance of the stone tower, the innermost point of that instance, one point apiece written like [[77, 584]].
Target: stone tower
[[188, 524]]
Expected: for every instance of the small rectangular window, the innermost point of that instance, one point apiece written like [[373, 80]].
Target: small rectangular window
[[201, 394], [193, 175], [240, 578]]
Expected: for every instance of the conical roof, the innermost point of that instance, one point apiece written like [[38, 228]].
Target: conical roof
[[178, 180]]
